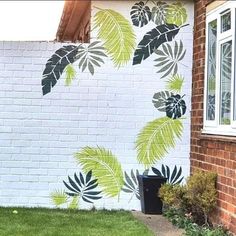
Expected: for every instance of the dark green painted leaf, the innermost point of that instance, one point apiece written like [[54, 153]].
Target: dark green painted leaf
[[159, 100], [159, 12], [69, 187], [73, 184], [126, 190], [173, 174], [81, 178], [56, 65], [129, 181], [77, 180], [172, 178], [146, 172], [134, 177], [82, 187], [175, 107], [88, 176], [163, 170], [156, 171], [153, 39], [140, 14]]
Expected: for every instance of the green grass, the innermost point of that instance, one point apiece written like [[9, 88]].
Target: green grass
[[48, 222]]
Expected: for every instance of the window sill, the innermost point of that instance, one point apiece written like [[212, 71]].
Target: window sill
[[217, 137]]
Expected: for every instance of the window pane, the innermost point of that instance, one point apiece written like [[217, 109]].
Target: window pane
[[225, 86], [211, 71], [225, 22]]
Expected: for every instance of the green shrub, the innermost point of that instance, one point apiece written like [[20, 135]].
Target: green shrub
[[196, 198]]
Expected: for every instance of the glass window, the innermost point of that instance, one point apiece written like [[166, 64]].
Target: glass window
[[225, 22], [211, 70], [225, 85]]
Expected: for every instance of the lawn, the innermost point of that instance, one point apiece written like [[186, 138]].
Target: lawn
[[48, 222]]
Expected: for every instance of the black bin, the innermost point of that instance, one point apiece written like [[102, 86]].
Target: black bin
[[149, 186]]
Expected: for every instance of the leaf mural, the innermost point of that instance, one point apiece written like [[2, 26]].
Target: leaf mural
[[176, 14], [83, 188], [159, 100], [156, 138], [159, 12], [91, 56], [153, 39], [172, 178], [70, 74], [59, 198], [117, 34], [56, 65], [175, 83], [169, 58], [105, 166], [131, 184], [140, 14], [175, 106]]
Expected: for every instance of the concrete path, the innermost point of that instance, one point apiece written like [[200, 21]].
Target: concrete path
[[158, 224]]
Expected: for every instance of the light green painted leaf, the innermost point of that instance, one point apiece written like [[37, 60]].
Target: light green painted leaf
[[175, 83], [156, 138], [74, 204], [70, 74], [105, 167], [176, 14], [58, 197], [117, 34]]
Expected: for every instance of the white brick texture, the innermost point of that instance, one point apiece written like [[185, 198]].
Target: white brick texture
[[39, 134]]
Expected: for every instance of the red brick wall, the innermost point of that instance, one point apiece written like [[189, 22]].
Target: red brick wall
[[211, 153]]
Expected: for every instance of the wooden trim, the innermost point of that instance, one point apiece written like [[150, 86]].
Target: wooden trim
[[75, 21], [211, 6]]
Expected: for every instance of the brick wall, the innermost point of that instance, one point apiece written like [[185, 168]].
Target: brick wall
[[211, 153]]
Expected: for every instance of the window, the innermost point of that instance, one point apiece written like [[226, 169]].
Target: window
[[220, 76]]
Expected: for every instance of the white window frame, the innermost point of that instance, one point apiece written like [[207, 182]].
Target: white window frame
[[213, 126]]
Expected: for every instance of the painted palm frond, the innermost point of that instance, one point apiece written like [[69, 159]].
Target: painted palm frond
[[173, 177], [91, 56], [117, 34], [82, 187], [59, 198], [175, 83], [156, 138], [106, 168], [131, 184], [70, 74], [168, 58], [74, 204]]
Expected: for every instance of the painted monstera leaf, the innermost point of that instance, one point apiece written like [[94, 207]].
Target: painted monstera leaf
[[91, 56], [140, 14], [175, 107], [105, 166], [159, 12], [131, 184], [117, 34], [56, 65], [156, 138], [176, 14], [168, 58], [153, 39], [174, 177], [159, 100], [83, 187]]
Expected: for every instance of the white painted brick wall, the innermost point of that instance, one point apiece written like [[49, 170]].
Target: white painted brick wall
[[38, 135]]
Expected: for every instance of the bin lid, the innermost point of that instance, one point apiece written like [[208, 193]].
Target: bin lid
[[151, 177]]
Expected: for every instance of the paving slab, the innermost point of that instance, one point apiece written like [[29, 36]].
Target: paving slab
[[158, 224]]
